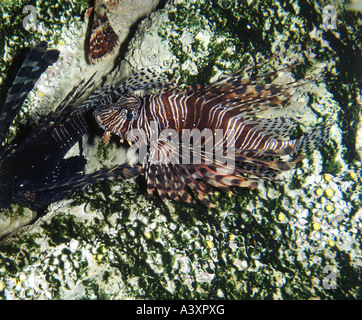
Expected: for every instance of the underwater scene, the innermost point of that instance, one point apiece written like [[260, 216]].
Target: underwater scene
[[180, 149]]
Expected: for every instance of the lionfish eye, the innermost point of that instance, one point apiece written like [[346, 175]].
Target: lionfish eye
[[124, 113], [134, 114], [129, 114]]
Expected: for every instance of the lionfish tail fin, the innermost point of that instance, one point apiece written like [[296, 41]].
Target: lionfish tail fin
[[319, 136]]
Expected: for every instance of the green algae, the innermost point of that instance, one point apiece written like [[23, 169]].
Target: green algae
[[330, 164], [15, 37], [64, 227], [103, 151]]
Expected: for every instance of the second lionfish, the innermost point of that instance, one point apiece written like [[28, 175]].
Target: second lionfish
[[231, 104]]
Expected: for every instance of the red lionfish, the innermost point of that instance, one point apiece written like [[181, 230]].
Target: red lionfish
[[230, 104]]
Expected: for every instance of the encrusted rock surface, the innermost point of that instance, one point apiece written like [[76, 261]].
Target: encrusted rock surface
[[280, 241]]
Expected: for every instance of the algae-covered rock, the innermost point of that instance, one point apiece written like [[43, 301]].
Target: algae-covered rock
[[297, 239]]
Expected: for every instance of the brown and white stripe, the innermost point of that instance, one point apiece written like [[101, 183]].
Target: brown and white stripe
[[230, 104]]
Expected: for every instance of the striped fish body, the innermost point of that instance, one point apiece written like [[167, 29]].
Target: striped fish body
[[230, 106], [180, 110]]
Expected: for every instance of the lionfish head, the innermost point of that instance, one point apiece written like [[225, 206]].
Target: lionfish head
[[115, 118]]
